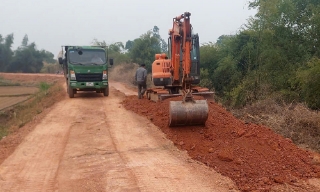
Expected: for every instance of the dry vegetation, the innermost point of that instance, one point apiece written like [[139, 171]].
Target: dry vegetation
[[125, 73], [294, 121]]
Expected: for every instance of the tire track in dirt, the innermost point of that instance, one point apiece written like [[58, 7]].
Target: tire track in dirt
[[91, 161], [156, 163], [117, 150], [33, 165]]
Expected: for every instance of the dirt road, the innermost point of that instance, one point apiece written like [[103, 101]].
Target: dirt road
[[91, 143]]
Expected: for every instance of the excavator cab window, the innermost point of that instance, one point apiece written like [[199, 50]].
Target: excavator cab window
[[195, 55], [169, 47], [194, 51]]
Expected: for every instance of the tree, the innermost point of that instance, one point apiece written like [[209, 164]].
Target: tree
[[114, 50], [25, 41], [263, 58], [155, 31], [163, 43], [144, 49], [226, 76], [129, 45], [6, 53], [117, 47], [208, 63], [308, 79], [27, 59], [47, 56]]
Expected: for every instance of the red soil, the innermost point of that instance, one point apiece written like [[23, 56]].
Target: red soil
[[253, 156]]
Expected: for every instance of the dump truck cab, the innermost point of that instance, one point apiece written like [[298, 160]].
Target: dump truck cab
[[85, 68]]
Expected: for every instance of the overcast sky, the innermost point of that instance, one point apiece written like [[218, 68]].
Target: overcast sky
[[52, 23]]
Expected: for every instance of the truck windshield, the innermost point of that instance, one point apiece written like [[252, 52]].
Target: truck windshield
[[87, 56]]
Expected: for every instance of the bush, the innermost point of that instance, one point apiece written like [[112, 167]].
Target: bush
[[309, 79]]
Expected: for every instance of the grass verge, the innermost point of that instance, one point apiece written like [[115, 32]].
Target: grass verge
[[13, 118]]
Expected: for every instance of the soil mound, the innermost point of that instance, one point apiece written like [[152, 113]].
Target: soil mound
[[252, 155]]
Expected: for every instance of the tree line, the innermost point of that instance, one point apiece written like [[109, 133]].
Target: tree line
[[275, 54], [139, 50], [26, 58]]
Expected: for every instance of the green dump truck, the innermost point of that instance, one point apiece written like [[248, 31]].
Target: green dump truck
[[85, 68]]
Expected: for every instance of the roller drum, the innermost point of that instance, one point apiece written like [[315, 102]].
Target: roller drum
[[188, 113]]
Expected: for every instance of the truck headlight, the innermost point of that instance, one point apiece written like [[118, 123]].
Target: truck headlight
[[104, 75], [72, 75]]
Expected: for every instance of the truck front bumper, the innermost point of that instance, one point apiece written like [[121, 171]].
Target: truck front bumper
[[88, 86]]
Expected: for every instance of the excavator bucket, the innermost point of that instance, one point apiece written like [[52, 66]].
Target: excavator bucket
[[188, 113]]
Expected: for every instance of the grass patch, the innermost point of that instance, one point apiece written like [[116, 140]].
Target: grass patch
[[5, 82], [3, 131], [19, 115], [3, 119], [44, 86]]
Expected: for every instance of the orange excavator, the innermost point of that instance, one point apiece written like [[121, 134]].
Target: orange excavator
[[178, 74]]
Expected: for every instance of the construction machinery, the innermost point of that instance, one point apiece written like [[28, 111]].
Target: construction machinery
[[85, 68], [178, 73]]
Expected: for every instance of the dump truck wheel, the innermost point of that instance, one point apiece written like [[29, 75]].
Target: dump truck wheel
[[70, 92], [67, 86], [106, 91]]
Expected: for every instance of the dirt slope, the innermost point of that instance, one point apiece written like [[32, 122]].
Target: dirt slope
[[251, 155], [92, 143]]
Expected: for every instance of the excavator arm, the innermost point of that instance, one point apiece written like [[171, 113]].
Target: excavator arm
[[178, 75], [188, 111], [181, 43]]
